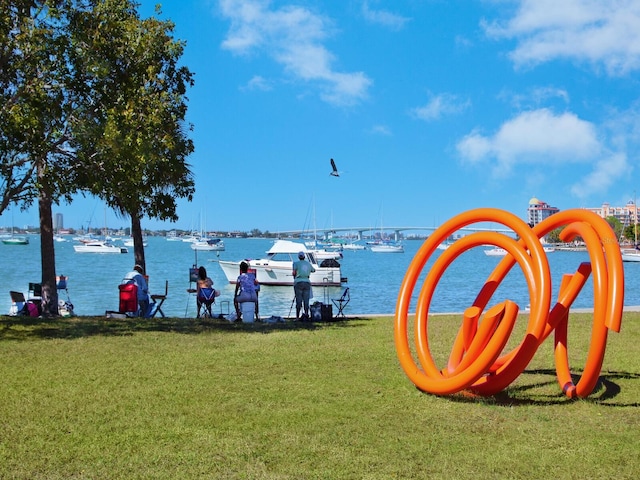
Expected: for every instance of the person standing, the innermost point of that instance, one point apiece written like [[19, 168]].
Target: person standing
[[302, 269]]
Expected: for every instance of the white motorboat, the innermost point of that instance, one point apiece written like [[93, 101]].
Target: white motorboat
[[353, 246], [501, 252], [212, 244], [630, 254], [323, 254], [386, 247], [99, 246], [277, 267], [495, 252], [129, 243]]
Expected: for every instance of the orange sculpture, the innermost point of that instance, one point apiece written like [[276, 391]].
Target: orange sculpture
[[477, 361]]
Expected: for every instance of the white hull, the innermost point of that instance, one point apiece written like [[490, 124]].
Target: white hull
[[630, 255], [353, 246], [495, 252], [277, 267], [327, 255], [99, 247], [129, 243], [208, 246], [387, 248], [501, 252]]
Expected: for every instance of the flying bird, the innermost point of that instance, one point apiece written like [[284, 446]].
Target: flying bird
[[334, 171]]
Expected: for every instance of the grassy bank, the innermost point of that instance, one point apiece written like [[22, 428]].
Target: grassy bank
[[90, 398]]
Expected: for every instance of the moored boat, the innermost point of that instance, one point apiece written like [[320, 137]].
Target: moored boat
[[212, 244], [385, 247], [277, 267], [630, 254], [99, 247], [15, 240]]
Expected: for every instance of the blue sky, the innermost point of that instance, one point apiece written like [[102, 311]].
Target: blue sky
[[429, 108]]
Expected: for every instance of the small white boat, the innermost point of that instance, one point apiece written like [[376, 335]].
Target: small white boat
[[385, 247], [277, 267], [99, 247], [495, 252], [211, 245], [129, 243], [353, 246], [501, 252], [630, 254], [323, 254]]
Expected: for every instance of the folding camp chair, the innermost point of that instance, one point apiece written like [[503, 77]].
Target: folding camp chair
[[342, 302], [17, 303], [159, 298], [206, 297], [65, 307], [128, 299]]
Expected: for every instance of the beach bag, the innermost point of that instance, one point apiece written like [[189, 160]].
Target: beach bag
[[33, 309], [326, 312], [315, 310]]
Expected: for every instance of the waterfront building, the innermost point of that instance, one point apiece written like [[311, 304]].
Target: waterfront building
[[538, 211], [626, 214], [58, 223]]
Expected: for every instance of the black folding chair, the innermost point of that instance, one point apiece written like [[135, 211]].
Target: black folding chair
[[342, 302], [158, 300]]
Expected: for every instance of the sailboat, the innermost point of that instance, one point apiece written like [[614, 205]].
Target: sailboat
[[384, 245], [15, 239]]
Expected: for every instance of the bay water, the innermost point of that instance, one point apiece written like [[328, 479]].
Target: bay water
[[374, 278]]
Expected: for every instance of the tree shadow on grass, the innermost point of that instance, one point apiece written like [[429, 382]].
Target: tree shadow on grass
[[536, 392], [29, 328]]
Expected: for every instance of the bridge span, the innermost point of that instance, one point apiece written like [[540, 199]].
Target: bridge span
[[327, 233]]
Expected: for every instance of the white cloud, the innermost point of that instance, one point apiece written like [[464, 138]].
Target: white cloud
[[541, 137], [534, 137], [380, 130], [605, 173], [293, 36], [440, 105], [383, 17], [600, 32], [258, 83]]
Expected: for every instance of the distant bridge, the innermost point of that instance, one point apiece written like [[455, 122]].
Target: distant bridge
[[325, 233]]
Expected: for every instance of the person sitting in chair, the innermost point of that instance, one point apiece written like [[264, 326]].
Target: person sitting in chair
[[136, 277], [246, 288], [205, 293]]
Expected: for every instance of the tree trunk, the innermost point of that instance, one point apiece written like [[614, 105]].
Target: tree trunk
[[47, 256], [138, 247]]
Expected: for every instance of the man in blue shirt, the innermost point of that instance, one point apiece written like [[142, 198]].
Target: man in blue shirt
[[302, 269]]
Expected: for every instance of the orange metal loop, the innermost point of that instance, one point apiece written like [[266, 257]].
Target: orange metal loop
[[477, 361]]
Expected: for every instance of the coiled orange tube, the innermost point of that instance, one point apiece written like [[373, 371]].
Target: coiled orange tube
[[477, 361]]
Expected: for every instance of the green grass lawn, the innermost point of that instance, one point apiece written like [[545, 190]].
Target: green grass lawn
[[90, 398]]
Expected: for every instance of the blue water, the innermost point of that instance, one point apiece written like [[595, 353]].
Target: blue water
[[374, 278]]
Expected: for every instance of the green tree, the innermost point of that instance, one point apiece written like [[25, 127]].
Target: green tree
[[616, 225], [138, 165], [92, 100], [37, 117]]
